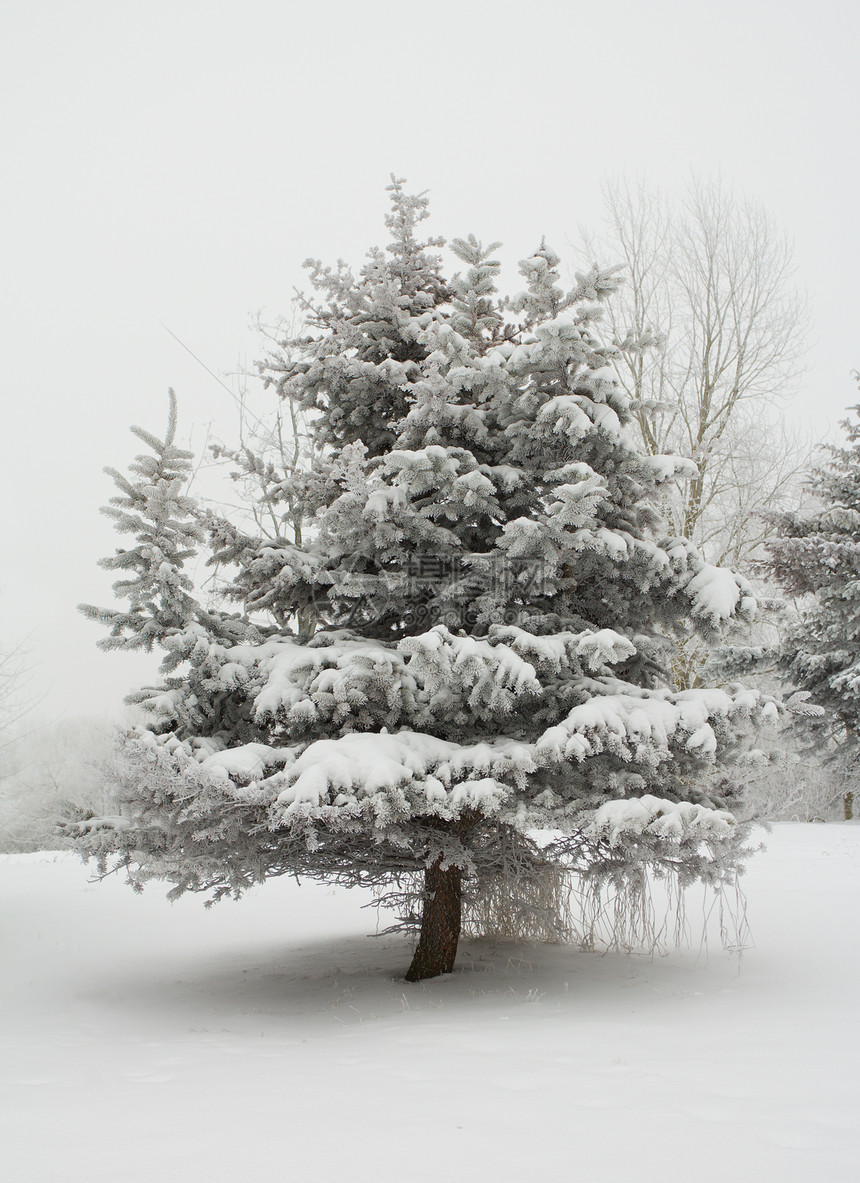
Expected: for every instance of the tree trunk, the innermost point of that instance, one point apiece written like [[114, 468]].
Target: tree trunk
[[440, 923], [848, 806]]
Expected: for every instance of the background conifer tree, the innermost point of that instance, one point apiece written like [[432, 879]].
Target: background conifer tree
[[469, 641], [816, 559]]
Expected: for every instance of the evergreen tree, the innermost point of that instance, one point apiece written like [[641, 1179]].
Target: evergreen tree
[[469, 641], [816, 558], [163, 610]]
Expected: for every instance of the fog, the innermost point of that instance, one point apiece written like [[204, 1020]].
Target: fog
[[167, 171]]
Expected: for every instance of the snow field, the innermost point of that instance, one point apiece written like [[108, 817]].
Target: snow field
[[274, 1038]]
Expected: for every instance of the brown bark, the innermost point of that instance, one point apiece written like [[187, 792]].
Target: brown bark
[[440, 923]]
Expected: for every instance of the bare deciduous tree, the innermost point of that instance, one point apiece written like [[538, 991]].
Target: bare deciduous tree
[[15, 702], [54, 767], [712, 278]]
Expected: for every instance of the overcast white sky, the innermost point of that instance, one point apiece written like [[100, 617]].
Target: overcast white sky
[[176, 162]]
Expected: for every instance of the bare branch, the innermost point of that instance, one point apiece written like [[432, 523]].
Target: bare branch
[[714, 277]]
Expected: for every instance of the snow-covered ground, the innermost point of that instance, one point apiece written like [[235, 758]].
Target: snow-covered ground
[[274, 1038]]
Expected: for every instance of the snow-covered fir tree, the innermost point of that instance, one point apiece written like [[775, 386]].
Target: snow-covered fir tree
[[163, 610], [816, 559], [468, 639]]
